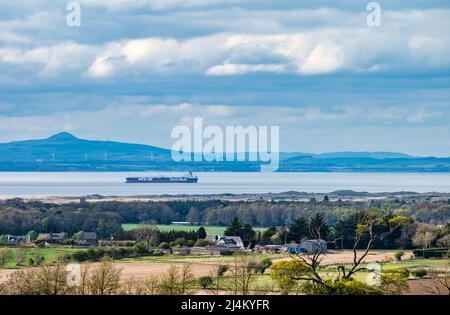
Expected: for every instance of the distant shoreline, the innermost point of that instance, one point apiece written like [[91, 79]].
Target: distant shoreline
[[334, 196]]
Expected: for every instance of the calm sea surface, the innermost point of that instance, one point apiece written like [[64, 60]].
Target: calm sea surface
[[113, 184]]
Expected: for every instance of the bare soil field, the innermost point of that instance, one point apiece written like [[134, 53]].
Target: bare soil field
[[346, 256], [139, 270], [419, 287]]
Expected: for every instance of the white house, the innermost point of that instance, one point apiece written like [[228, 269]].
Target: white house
[[228, 241]]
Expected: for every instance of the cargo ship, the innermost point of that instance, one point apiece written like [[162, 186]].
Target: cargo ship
[[186, 179]]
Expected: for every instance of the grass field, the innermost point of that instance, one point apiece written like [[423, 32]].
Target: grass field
[[210, 229], [49, 254]]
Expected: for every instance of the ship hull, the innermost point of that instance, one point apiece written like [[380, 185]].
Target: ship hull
[[181, 180]]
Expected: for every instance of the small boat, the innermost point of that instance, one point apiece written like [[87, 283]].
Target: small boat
[[186, 179]]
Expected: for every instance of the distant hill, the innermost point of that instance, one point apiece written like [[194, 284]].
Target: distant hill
[[65, 147], [372, 155], [348, 154], [66, 152]]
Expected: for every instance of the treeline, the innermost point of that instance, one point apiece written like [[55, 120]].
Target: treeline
[[18, 217], [264, 213]]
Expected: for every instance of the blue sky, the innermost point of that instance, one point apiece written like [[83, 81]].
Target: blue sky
[[135, 69]]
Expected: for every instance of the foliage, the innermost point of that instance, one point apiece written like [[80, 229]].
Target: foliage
[[298, 230], [205, 281], [394, 282], [164, 245], [420, 273], [398, 255], [5, 255], [201, 233]]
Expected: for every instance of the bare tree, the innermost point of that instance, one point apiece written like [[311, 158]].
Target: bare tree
[[425, 235], [148, 235], [105, 279], [308, 269], [186, 279], [439, 279], [178, 280], [366, 228], [218, 274], [148, 286], [83, 286], [20, 257], [46, 280], [243, 270]]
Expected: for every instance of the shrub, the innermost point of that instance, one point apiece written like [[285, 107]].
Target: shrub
[[399, 255], [181, 241], [3, 240], [140, 249], [5, 255], [431, 253], [420, 273], [164, 245], [400, 271], [205, 282], [263, 265]]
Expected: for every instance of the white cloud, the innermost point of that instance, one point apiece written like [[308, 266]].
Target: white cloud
[[235, 69], [422, 116], [64, 58], [326, 57], [100, 68], [154, 4], [8, 37], [407, 40]]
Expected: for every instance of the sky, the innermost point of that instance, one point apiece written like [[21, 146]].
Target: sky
[[135, 69]]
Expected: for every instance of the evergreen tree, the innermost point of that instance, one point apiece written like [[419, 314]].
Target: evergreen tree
[[266, 237], [298, 230], [201, 233], [247, 233], [318, 228], [234, 228]]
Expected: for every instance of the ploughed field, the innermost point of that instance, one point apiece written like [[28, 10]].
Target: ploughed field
[[143, 267]]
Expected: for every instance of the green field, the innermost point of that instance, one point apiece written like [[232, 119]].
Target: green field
[[210, 229], [49, 254]]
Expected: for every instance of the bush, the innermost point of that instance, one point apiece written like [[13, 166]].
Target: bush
[[100, 253], [263, 265], [180, 241], [69, 242], [3, 240], [5, 255], [140, 249], [400, 271], [164, 245], [205, 282], [431, 253], [420, 273], [399, 255]]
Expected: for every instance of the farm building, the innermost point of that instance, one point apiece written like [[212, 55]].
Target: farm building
[[52, 238], [314, 246], [308, 246], [17, 239], [88, 239]]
